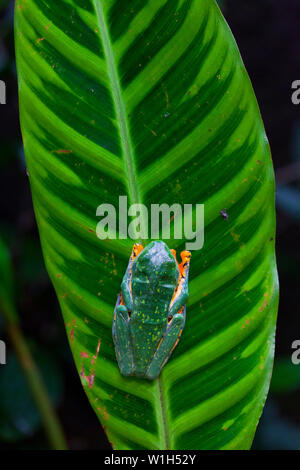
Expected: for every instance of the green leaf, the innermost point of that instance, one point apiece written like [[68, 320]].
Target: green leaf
[[151, 100]]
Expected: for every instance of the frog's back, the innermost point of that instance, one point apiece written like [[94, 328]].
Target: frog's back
[[155, 276]]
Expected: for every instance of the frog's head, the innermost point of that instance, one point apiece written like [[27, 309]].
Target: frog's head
[[155, 273]]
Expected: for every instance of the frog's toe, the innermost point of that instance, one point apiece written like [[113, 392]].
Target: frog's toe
[[122, 310], [126, 369], [152, 375]]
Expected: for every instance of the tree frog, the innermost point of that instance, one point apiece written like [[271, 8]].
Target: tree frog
[[150, 311]]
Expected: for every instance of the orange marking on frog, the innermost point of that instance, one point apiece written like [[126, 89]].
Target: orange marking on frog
[[183, 266]]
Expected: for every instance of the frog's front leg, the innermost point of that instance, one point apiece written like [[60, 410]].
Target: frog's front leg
[[181, 292], [122, 339], [167, 345], [121, 330], [126, 283]]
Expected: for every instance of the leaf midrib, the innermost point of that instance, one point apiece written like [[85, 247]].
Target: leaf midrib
[[130, 170], [128, 155]]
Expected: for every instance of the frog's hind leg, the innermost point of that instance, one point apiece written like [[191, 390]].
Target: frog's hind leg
[[126, 283], [121, 332], [177, 319], [122, 338], [167, 345]]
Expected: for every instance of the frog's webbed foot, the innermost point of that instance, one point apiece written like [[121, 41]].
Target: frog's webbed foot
[[167, 345], [122, 338]]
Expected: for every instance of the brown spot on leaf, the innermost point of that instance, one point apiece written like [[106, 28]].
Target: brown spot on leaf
[[91, 377], [62, 151], [263, 306]]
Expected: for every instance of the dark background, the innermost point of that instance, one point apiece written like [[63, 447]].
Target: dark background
[[268, 35]]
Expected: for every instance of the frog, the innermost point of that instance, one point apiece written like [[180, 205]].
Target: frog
[[150, 311]]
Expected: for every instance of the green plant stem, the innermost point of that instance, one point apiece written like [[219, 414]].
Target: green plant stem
[[51, 423]]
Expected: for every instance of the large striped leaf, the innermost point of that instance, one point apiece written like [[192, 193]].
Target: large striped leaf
[[150, 99]]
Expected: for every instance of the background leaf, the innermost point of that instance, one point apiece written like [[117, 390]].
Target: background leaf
[[19, 416], [7, 300], [286, 377], [153, 101], [26, 394]]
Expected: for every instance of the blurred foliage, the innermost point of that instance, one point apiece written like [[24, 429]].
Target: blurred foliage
[[276, 431], [288, 200], [31, 381], [286, 376], [19, 417], [7, 302], [288, 195]]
